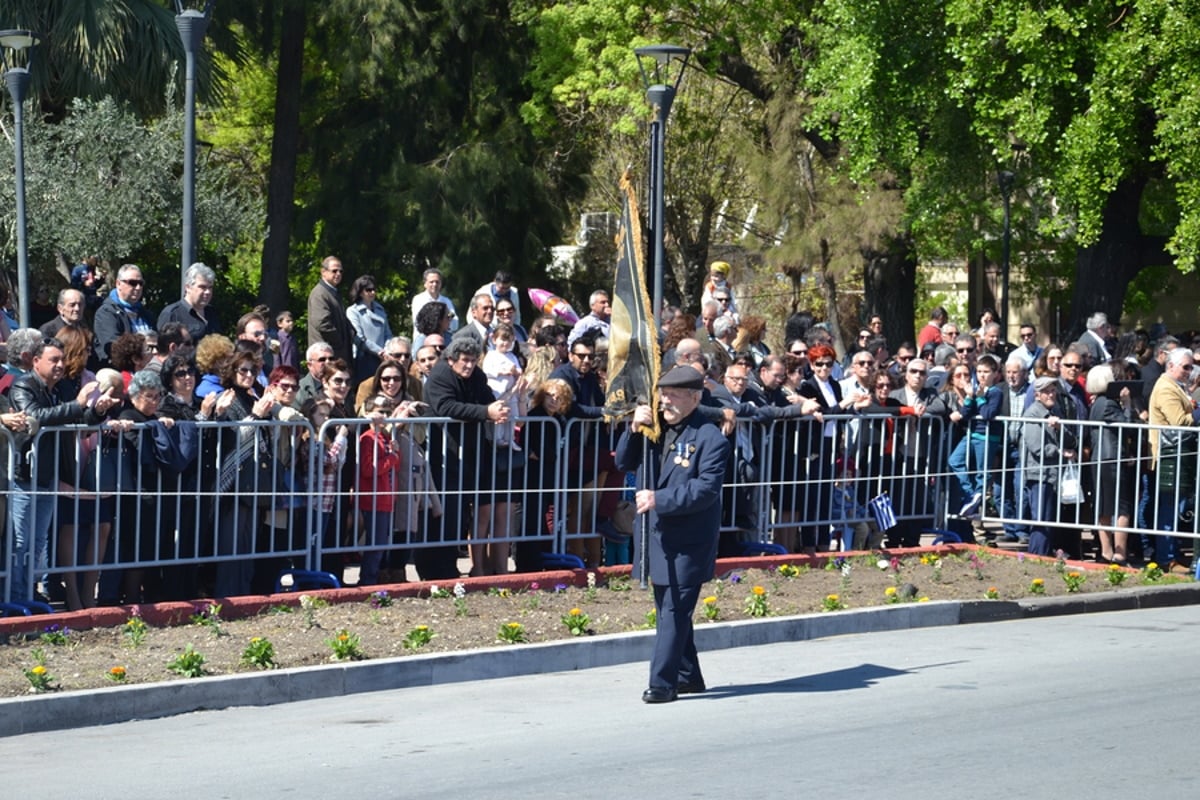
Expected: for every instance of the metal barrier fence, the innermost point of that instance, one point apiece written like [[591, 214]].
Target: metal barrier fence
[[8, 459], [157, 511], [1123, 487]]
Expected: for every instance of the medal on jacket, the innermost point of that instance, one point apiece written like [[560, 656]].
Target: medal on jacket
[[682, 453]]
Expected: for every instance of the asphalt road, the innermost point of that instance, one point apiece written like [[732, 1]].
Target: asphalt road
[[1095, 706]]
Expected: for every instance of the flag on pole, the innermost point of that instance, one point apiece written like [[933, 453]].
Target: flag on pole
[[633, 357]]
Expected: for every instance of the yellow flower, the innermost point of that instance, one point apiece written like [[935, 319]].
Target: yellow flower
[[343, 637], [514, 625], [833, 598], [38, 670], [890, 591], [422, 627], [1038, 581], [710, 600], [992, 589], [1072, 574], [254, 639], [923, 600], [759, 590], [1151, 566], [1114, 567], [575, 612], [117, 672]]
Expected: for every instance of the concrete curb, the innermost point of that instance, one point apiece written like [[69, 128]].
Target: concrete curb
[[124, 703]]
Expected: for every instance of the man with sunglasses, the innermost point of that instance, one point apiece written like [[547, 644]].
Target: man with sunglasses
[[121, 312], [327, 320], [1173, 454], [316, 357]]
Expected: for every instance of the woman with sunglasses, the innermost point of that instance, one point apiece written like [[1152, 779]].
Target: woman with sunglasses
[[820, 445], [246, 466], [369, 320]]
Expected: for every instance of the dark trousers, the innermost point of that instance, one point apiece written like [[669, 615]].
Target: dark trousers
[[675, 659]]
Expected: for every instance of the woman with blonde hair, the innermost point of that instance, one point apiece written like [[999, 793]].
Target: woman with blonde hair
[[750, 339]]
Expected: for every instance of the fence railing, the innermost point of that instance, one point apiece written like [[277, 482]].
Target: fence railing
[[225, 506]]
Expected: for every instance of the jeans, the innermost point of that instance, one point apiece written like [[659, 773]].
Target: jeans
[[31, 518], [969, 467], [1043, 502], [378, 525]]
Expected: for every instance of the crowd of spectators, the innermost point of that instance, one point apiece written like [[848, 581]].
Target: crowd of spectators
[[815, 439]]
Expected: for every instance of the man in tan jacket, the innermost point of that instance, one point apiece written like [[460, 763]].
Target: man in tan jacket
[[1174, 453]]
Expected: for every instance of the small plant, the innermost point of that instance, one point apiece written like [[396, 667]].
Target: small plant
[[1074, 580], [346, 646], [418, 637], [789, 571], [116, 674], [511, 633], [460, 600], [1115, 575], [280, 608], [1060, 562], [651, 618], [1152, 573], [891, 595], [135, 631], [189, 663], [756, 602], [936, 563], [991, 593], [40, 679], [55, 634], [379, 599], [832, 602], [499, 591], [259, 653], [532, 601], [309, 605], [620, 583], [589, 593], [976, 565], [438, 593], [576, 621], [1037, 586], [711, 612], [209, 617]]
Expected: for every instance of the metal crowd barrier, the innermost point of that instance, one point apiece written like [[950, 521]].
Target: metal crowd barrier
[[228, 505], [1117, 473], [8, 455]]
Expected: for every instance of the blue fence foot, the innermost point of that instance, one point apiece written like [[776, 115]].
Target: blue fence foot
[[944, 536], [306, 579], [561, 561], [763, 549], [14, 610]]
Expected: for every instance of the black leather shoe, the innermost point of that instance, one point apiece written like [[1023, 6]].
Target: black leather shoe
[[657, 695], [690, 688]]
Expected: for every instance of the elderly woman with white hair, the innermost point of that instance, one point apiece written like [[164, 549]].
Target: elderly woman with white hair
[[1114, 450]]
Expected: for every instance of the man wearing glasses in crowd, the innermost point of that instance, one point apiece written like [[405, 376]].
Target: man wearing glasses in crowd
[[1028, 350], [1072, 400], [579, 373], [121, 312], [316, 357], [327, 320]]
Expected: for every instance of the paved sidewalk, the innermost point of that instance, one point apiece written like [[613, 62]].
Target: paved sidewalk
[[123, 703]]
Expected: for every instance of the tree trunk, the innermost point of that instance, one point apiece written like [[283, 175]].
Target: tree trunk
[[281, 187], [1103, 270], [889, 290]]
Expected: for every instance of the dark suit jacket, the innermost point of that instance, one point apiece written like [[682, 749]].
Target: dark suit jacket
[[685, 523], [327, 322]]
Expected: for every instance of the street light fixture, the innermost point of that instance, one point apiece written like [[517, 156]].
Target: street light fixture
[[192, 26], [662, 67], [1005, 180], [16, 54]]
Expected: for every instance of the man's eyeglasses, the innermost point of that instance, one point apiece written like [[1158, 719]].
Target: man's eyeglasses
[[1072, 364], [398, 356], [581, 355], [966, 349], [864, 363], [1028, 335], [132, 282], [322, 359], [917, 371]]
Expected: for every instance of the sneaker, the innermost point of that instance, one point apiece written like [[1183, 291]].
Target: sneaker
[[970, 509]]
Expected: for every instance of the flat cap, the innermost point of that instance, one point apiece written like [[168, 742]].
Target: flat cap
[[682, 377], [1046, 384]]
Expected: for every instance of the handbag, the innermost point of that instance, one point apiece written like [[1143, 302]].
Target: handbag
[[1070, 490]]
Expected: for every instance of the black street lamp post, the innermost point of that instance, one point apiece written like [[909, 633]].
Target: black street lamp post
[[662, 67], [17, 48], [192, 26], [1005, 180]]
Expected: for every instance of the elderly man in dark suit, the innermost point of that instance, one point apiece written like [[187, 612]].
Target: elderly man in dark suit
[[327, 321], [683, 473]]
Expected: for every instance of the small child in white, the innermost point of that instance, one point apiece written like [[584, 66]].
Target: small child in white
[[503, 372]]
